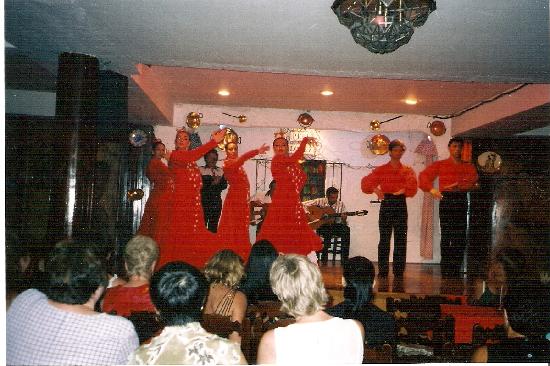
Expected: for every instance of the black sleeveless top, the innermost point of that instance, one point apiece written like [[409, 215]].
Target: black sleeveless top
[[520, 350]]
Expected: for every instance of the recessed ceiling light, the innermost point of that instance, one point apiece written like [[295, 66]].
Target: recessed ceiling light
[[326, 93], [224, 93], [411, 101]]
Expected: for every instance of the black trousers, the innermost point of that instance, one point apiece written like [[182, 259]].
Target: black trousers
[[212, 211], [393, 217], [329, 231], [453, 216]]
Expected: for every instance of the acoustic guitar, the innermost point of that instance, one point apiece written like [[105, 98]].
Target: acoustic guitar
[[319, 216]]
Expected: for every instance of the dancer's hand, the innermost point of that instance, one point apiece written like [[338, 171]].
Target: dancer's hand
[[399, 192], [219, 135], [262, 149], [379, 194], [436, 194]]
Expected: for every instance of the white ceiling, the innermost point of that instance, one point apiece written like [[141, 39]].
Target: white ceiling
[[489, 41]]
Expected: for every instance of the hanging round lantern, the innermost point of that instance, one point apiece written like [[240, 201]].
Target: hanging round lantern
[[437, 128], [193, 120], [375, 125], [378, 144], [305, 120], [230, 136]]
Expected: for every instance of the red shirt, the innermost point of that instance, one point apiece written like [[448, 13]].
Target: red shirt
[[125, 300], [391, 179], [449, 172]]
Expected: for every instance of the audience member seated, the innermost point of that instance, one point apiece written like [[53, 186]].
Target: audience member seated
[[140, 257], [178, 291], [315, 337], [61, 327], [527, 321], [256, 284], [23, 271], [494, 287], [508, 265], [358, 295], [224, 272]]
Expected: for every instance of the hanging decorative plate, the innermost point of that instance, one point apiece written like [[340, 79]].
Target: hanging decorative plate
[[138, 138], [437, 128], [489, 162], [230, 136], [378, 144]]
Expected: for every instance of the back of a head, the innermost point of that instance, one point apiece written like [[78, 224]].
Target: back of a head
[[178, 291], [262, 255], [74, 273], [359, 275], [527, 307], [225, 267], [516, 265], [139, 255], [298, 284]]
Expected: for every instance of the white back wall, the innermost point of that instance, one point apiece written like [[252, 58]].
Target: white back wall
[[337, 145]]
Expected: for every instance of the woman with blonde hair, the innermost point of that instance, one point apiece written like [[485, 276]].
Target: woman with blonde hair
[[299, 286], [224, 272], [140, 257]]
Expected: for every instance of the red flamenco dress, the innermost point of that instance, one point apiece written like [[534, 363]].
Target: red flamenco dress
[[152, 223], [187, 238], [235, 219], [286, 225]]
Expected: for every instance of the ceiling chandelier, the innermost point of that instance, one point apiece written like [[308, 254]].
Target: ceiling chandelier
[[382, 26]]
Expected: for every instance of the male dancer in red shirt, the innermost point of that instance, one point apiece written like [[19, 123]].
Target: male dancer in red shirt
[[392, 183], [455, 179]]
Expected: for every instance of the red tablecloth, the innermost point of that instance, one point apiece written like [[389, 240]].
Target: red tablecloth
[[466, 317]]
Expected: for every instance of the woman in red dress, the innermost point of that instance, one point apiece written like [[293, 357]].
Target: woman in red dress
[[235, 218], [161, 190], [187, 238], [286, 225]]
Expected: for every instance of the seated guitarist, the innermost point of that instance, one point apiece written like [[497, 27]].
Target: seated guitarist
[[332, 227]]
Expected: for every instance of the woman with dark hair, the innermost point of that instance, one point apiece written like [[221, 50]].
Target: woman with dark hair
[[213, 183], [256, 284], [179, 291], [235, 218], [186, 236], [286, 225], [60, 326], [358, 294], [162, 185]]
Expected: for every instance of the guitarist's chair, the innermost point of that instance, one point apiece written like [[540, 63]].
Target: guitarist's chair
[[334, 248]]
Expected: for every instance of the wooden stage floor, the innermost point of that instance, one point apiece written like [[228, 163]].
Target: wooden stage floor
[[418, 279]]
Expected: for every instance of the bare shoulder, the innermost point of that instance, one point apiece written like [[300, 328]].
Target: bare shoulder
[[481, 355], [360, 326], [266, 349], [240, 296]]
